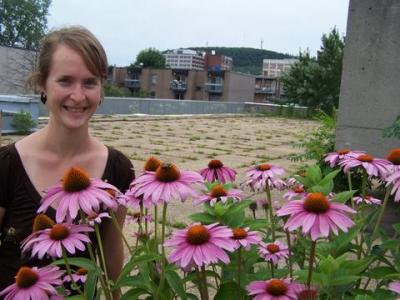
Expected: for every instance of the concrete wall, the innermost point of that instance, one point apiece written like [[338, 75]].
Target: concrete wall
[[370, 88], [15, 66]]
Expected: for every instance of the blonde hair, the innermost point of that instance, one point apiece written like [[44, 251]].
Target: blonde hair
[[77, 38]]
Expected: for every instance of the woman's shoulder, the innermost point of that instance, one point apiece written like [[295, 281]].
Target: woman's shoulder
[[6, 154], [119, 169]]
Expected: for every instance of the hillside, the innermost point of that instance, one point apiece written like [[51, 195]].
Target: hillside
[[245, 60]]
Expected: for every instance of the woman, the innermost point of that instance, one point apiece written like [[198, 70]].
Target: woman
[[72, 68]]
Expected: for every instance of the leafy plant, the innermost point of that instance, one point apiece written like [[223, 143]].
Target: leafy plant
[[319, 142], [23, 122], [393, 131]]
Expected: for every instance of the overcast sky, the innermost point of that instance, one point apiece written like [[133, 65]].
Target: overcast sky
[[125, 27]]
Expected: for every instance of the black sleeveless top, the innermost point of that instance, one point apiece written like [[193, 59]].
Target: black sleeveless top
[[21, 201]]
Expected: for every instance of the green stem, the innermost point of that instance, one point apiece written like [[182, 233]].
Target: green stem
[[239, 270], [271, 264], [290, 254], [350, 187], [162, 277], [204, 279], [271, 210], [69, 272], [379, 220], [92, 256], [155, 226], [118, 227], [199, 279], [311, 263], [215, 276], [103, 261], [146, 225]]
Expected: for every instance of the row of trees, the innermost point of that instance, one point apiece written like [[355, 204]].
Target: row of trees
[[315, 81]]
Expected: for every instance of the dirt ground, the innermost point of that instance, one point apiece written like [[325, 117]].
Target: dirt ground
[[191, 141]]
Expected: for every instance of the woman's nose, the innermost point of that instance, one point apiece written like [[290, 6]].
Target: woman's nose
[[78, 93]]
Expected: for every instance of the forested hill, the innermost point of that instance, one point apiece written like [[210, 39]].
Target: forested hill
[[246, 60]]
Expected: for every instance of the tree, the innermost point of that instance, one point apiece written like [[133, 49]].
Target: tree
[[150, 58], [315, 82], [23, 23]]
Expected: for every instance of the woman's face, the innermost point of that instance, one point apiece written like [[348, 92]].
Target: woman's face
[[73, 92]]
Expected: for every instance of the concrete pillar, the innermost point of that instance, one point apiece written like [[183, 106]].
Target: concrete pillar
[[370, 88]]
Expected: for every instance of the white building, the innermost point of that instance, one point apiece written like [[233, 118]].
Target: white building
[[184, 59], [273, 68]]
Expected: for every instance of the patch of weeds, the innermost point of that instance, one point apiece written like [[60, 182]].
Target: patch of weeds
[[264, 157], [190, 157], [259, 139], [194, 138], [156, 142], [209, 138], [200, 152], [156, 152], [201, 146], [212, 155], [116, 127]]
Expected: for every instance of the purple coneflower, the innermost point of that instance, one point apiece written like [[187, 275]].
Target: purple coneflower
[[394, 286], [242, 237], [273, 289], [298, 192], [97, 218], [367, 200], [165, 184], [219, 193], [334, 158], [151, 165], [305, 293], [51, 241], [138, 217], [76, 192], [217, 171], [257, 177], [373, 166], [34, 283], [394, 175], [79, 276], [200, 245], [273, 252], [317, 215]]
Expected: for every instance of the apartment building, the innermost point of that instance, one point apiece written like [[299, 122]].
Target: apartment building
[[184, 59], [218, 62], [208, 85], [274, 68]]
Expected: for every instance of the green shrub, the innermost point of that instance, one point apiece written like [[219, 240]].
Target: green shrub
[[23, 122]]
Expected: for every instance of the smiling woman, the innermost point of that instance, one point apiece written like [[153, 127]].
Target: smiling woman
[[72, 68]]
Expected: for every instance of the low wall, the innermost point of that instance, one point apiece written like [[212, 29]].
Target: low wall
[[113, 105], [150, 106]]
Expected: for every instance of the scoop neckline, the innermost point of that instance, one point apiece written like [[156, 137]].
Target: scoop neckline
[[34, 193]]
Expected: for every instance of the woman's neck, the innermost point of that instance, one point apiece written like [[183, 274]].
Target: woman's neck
[[65, 142]]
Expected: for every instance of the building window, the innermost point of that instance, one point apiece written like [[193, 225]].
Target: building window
[[154, 79]]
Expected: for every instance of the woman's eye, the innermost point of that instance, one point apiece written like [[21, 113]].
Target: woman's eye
[[64, 81], [90, 83]]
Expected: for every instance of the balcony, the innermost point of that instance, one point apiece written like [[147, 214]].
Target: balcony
[[178, 86], [214, 88], [132, 83], [265, 90]]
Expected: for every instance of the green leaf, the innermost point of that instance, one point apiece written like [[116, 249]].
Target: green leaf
[[381, 272], [135, 261], [355, 267], [203, 218], [228, 290], [133, 294], [343, 279], [234, 219], [344, 196], [91, 284], [329, 177], [255, 224], [134, 281], [363, 297], [176, 283], [239, 206], [328, 265], [80, 262], [324, 189], [314, 174]]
